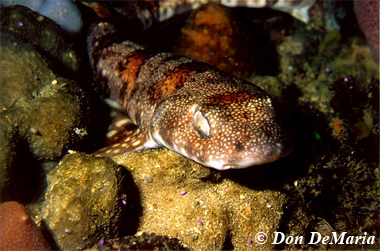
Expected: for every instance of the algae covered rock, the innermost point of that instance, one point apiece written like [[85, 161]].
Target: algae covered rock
[[214, 35], [141, 241], [43, 34], [42, 115], [201, 207], [83, 202], [49, 111], [8, 155]]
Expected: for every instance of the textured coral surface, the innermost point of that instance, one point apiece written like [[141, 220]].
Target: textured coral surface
[[367, 14], [18, 231]]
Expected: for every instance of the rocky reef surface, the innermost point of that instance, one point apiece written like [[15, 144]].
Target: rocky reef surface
[[63, 12]]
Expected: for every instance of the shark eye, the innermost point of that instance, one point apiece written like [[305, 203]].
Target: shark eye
[[201, 124]]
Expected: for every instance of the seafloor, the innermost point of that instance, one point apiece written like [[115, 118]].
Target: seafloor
[[326, 87]]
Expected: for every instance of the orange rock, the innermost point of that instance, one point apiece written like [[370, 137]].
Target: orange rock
[[212, 35], [339, 130]]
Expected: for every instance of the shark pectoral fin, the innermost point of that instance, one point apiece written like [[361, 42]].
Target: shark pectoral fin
[[124, 136], [128, 141]]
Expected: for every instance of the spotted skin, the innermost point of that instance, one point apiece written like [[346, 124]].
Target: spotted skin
[[183, 104]]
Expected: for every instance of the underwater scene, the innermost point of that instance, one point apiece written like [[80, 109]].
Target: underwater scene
[[189, 125]]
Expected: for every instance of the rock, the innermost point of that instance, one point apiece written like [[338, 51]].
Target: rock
[[18, 231], [43, 34], [83, 202], [8, 154], [48, 111], [213, 35], [198, 206], [63, 12], [42, 116], [141, 241], [33, 5]]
